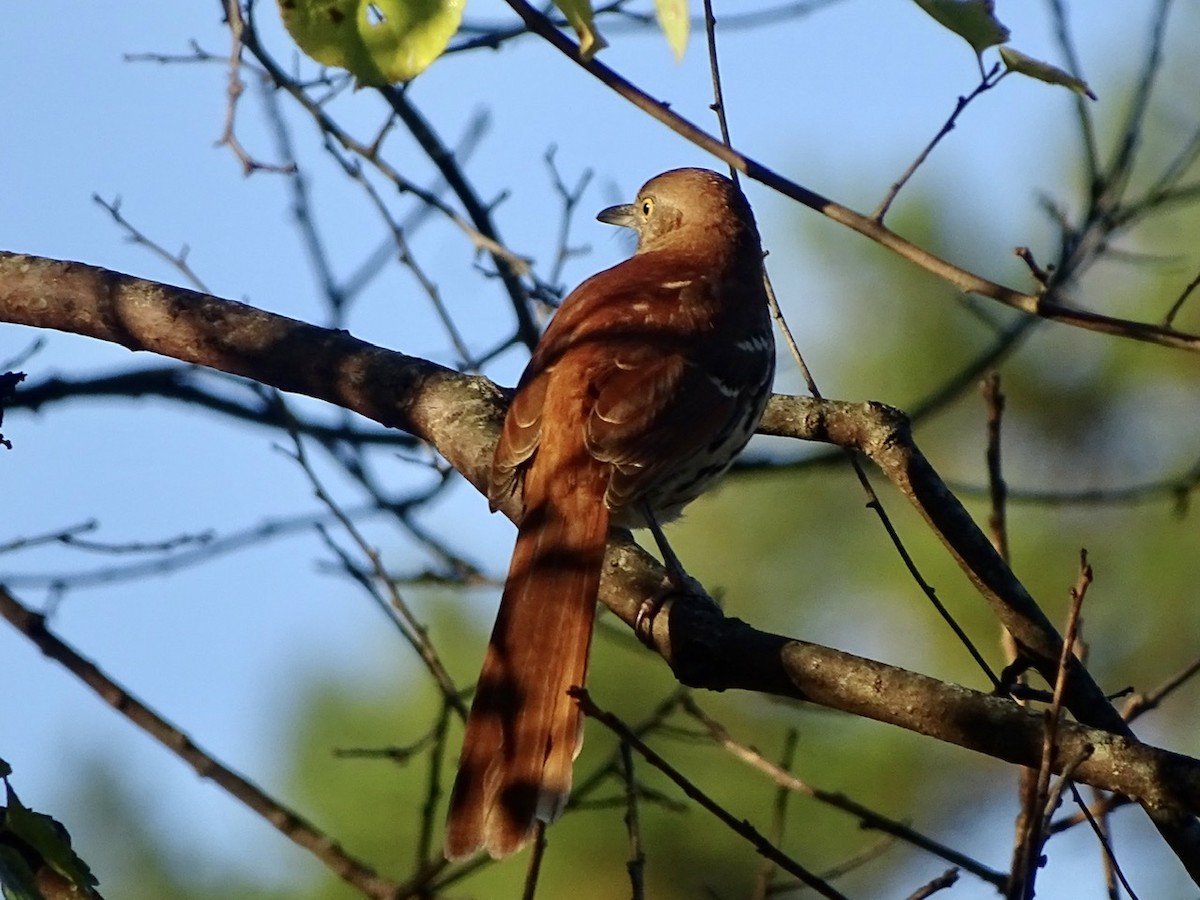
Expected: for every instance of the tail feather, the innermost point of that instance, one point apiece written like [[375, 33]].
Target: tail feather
[[524, 730]]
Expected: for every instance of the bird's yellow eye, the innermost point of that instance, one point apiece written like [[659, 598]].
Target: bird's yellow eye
[[647, 207]]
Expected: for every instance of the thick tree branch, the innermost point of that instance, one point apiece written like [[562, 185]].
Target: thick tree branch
[[460, 415], [882, 433]]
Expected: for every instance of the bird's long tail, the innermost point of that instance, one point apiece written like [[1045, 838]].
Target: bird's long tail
[[524, 730]]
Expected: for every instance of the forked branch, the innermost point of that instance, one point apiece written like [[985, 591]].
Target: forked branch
[[460, 415]]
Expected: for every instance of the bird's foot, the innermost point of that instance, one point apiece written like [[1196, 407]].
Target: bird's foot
[[677, 583]]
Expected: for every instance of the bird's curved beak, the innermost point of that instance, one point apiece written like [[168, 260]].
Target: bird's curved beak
[[624, 215]]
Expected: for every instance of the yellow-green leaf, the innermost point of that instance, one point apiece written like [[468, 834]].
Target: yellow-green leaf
[[378, 42], [972, 20], [579, 16], [674, 21], [1016, 61]]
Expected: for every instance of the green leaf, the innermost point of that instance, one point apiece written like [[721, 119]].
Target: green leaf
[[16, 878], [972, 20], [579, 15], [44, 839], [1016, 61], [378, 42], [674, 21]]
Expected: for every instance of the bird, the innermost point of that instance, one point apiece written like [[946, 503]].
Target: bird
[[648, 381]]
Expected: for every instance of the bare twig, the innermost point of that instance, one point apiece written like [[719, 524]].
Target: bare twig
[[64, 535], [288, 822], [237, 28], [583, 793], [987, 81], [1046, 306], [1112, 868], [1027, 778], [1169, 318], [766, 869], [946, 880], [466, 361], [1140, 703], [867, 817], [739, 827], [480, 214], [632, 20], [178, 261], [397, 610], [534, 868], [370, 153], [997, 489], [636, 864], [1177, 488], [429, 843], [873, 501], [1044, 801], [570, 198], [1087, 132]]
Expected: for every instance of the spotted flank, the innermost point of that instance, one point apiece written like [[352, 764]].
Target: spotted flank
[[729, 390], [756, 343]]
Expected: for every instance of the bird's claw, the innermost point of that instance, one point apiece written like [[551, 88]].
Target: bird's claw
[[674, 584]]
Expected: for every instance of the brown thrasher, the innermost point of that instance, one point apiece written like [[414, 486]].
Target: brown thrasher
[[647, 383]]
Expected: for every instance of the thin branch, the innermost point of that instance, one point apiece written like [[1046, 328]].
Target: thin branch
[[1087, 131], [1169, 318], [602, 774], [236, 87], [1045, 306], [1043, 802], [288, 822], [636, 864], [187, 385], [739, 827], [1112, 868], [997, 489], [766, 868], [303, 215], [443, 158], [1027, 778], [534, 868], [946, 880], [1177, 488], [196, 54], [869, 853], [384, 252], [988, 81], [873, 501], [370, 153], [398, 611], [65, 535], [1120, 170], [1137, 704], [868, 818], [493, 36], [177, 261], [570, 198], [466, 361]]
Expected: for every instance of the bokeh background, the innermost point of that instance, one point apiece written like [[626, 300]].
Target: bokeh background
[[270, 660]]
